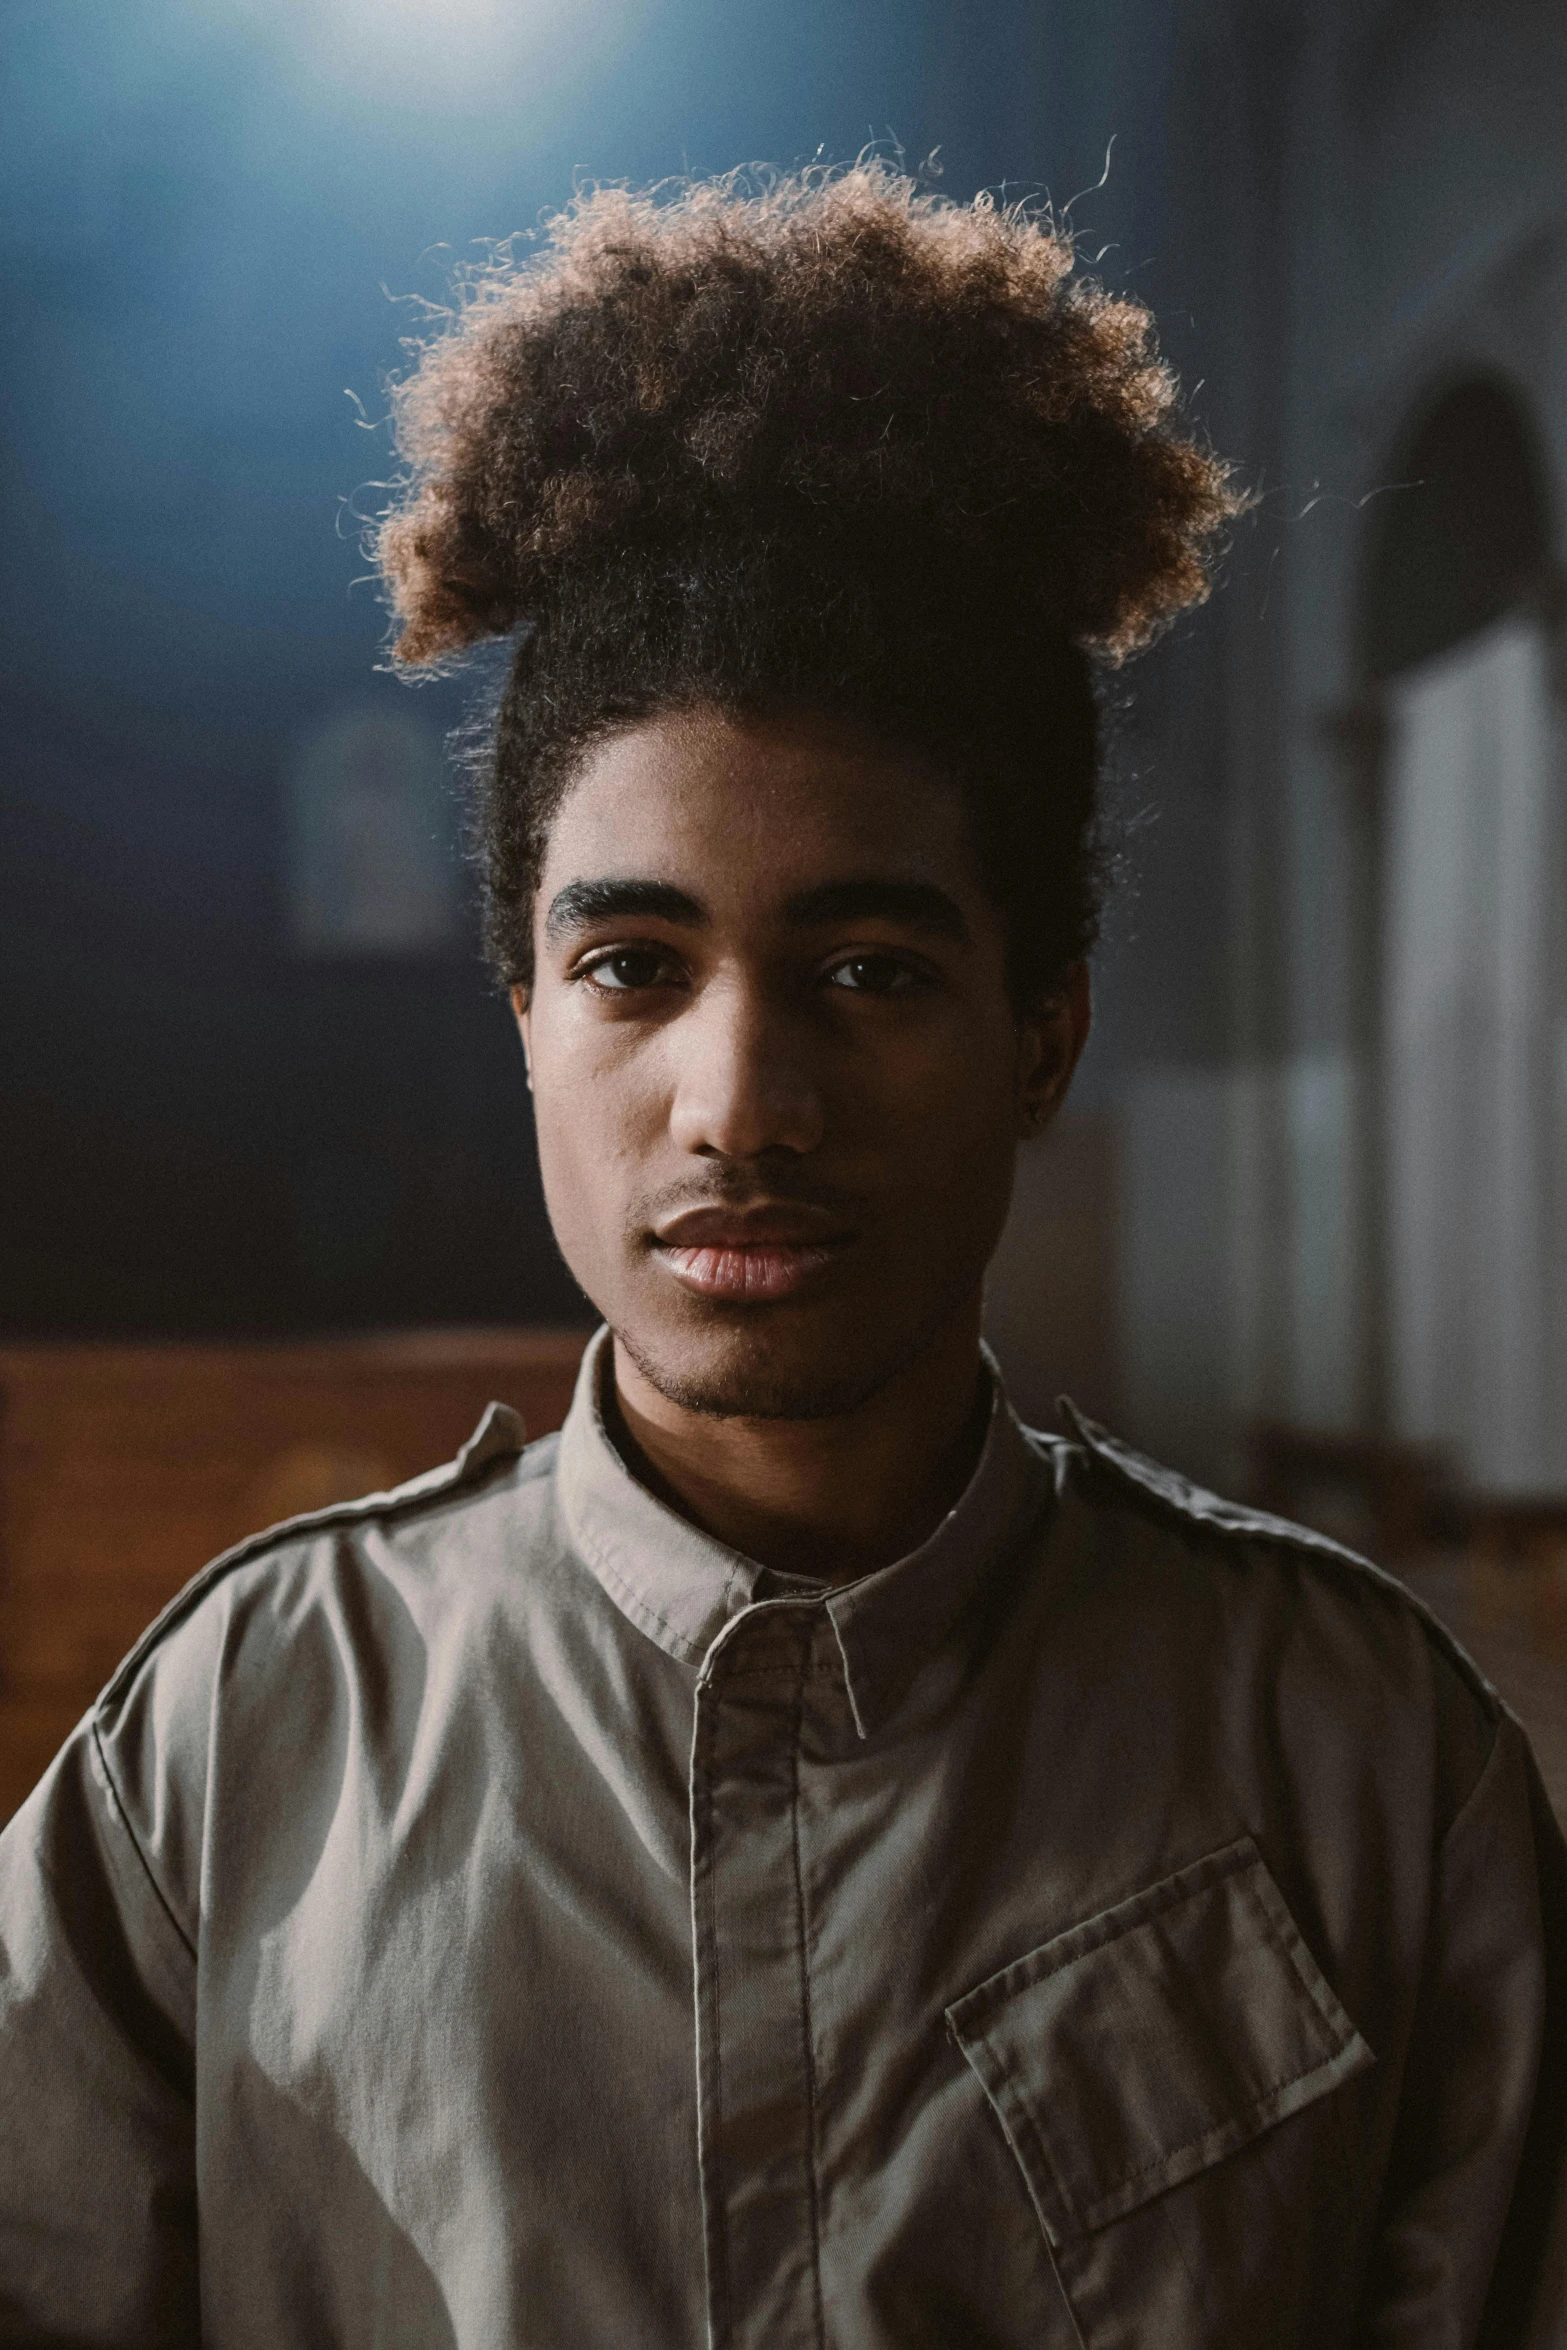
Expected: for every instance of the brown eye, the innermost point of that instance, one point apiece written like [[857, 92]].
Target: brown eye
[[625, 969], [872, 975]]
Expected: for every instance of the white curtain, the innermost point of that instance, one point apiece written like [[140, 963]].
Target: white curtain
[[1470, 1013]]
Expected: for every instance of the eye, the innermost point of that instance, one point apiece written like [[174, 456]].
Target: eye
[[626, 970], [873, 975]]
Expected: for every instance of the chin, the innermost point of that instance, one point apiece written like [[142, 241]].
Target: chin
[[757, 1373]]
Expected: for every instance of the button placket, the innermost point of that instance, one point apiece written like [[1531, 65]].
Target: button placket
[[755, 2076]]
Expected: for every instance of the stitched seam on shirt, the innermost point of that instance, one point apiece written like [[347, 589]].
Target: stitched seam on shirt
[[873, 1649], [134, 1840], [1008, 2097], [640, 1609], [1276, 1939], [1066, 2298], [1254, 2112], [715, 2220], [1471, 1801], [1109, 1926], [806, 2033], [595, 1545], [776, 1672], [1212, 1515], [605, 1555], [460, 1483]]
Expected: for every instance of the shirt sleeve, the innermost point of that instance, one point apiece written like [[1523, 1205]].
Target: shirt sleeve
[[97, 2137], [1473, 2231]]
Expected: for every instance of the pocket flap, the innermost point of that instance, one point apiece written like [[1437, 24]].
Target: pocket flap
[[1131, 2052]]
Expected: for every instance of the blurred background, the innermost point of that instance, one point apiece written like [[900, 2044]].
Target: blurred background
[[270, 1228]]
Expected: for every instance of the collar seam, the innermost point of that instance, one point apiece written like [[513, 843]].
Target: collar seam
[[774, 1671], [642, 1612], [871, 1653]]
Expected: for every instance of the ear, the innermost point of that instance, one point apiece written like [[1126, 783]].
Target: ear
[[522, 1010], [1051, 1038]]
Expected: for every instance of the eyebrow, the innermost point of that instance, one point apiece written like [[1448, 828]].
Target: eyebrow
[[916, 905], [582, 902]]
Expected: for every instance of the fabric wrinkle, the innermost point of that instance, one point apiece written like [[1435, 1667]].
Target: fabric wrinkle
[[992, 1948]]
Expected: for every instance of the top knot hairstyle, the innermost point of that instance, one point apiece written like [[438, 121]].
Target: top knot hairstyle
[[823, 442]]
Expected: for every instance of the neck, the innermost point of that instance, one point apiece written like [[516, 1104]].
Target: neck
[[831, 1498]]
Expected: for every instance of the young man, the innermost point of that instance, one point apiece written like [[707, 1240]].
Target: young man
[[799, 1859]]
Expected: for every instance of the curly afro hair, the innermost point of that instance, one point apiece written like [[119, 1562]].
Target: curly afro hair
[[825, 441]]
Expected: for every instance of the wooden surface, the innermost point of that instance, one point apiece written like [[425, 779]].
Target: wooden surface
[[123, 1469]]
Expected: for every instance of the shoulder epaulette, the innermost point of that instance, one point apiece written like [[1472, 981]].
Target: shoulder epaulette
[[1193, 1505], [500, 1435], [1188, 1501]]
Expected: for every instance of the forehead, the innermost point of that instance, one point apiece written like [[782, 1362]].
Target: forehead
[[757, 807]]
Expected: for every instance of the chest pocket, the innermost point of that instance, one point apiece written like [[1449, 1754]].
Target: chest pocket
[[1137, 2053]]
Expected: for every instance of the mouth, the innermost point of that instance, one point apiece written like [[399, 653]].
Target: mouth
[[751, 1255]]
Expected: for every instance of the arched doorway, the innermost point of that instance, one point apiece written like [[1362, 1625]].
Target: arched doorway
[[1457, 643]]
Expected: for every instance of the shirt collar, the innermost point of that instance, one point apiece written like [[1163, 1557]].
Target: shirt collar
[[681, 1587]]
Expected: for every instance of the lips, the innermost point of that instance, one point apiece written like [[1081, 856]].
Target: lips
[[750, 1255]]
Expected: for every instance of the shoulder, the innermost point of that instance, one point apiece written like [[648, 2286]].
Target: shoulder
[[325, 1580], [279, 1644], [1360, 1617], [430, 1514], [1115, 1473]]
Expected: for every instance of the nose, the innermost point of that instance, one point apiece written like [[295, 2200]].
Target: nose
[[743, 1082]]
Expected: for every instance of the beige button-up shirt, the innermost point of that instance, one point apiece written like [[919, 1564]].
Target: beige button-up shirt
[[496, 1914]]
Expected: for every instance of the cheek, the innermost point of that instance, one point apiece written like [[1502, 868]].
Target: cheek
[[596, 1116], [580, 1180], [949, 1143], [942, 1093]]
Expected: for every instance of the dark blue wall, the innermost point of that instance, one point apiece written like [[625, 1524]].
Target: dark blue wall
[[203, 204]]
